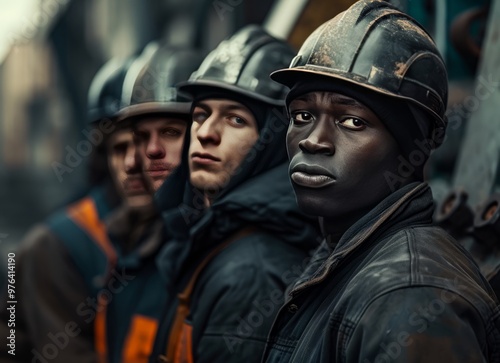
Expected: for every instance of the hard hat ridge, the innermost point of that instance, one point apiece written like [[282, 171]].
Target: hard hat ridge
[[241, 64]]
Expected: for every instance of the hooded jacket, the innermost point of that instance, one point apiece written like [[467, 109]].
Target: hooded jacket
[[394, 289], [241, 289], [238, 293]]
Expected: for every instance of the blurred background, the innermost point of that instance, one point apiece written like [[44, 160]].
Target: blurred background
[[51, 49]]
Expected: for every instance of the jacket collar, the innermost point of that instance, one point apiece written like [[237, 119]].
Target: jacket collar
[[410, 205], [266, 201]]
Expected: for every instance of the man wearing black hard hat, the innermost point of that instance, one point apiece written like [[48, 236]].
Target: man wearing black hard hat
[[368, 89], [91, 290], [237, 236], [149, 109], [158, 113]]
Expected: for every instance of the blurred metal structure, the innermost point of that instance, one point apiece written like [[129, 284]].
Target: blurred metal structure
[[478, 169], [281, 26], [26, 20], [295, 20]]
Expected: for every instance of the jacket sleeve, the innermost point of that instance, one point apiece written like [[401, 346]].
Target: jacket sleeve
[[419, 324], [238, 303], [50, 295]]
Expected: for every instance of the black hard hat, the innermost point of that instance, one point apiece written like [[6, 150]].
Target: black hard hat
[[149, 86], [105, 92], [242, 64], [377, 47]]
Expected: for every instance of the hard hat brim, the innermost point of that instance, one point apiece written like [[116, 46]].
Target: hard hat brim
[[290, 76], [147, 108], [194, 88]]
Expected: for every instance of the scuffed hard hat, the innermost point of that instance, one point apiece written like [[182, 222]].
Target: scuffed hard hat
[[242, 64], [149, 86], [375, 46]]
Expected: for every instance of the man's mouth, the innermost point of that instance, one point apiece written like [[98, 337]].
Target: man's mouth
[[311, 176], [204, 158], [134, 185], [159, 170]]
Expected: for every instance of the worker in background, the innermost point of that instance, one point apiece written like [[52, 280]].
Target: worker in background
[[110, 290], [159, 114], [57, 306], [151, 106]]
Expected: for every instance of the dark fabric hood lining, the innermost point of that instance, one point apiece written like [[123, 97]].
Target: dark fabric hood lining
[[279, 215]]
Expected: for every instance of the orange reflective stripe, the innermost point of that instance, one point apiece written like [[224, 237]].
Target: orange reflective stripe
[[177, 330], [100, 338], [140, 339], [179, 344], [84, 213], [184, 353]]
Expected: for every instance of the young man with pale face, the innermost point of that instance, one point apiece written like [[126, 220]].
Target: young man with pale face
[[145, 154], [222, 132]]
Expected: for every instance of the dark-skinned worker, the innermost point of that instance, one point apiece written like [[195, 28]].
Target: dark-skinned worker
[[368, 93]]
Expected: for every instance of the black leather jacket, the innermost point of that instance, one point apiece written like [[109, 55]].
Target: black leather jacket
[[394, 289]]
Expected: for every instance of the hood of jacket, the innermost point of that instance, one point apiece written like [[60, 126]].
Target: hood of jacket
[[266, 201]]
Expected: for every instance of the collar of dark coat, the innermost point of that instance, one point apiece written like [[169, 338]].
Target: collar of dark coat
[[408, 206], [266, 201]]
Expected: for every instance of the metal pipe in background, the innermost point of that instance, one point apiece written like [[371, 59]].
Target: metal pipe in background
[[441, 26], [283, 17]]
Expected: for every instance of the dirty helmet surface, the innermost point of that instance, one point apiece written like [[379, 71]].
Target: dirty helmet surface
[[150, 84], [105, 92], [242, 64], [375, 46]]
